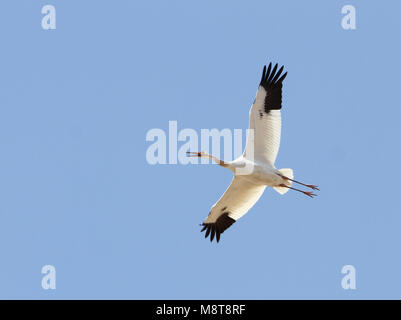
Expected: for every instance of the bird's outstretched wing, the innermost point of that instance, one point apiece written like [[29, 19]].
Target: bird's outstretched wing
[[263, 141], [239, 197]]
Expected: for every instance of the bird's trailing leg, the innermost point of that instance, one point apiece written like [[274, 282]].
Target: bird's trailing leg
[[308, 193], [306, 185]]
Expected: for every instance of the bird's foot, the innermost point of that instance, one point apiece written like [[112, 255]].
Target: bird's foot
[[309, 194], [312, 187]]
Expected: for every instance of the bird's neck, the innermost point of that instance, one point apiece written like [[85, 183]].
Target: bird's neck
[[217, 160]]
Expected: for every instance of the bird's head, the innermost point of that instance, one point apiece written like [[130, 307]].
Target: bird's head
[[199, 154]]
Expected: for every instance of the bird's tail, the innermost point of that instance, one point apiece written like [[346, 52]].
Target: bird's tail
[[286, 173]]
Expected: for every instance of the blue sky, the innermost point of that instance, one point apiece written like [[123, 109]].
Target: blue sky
[[78, 194]]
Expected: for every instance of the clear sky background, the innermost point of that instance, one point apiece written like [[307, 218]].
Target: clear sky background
[[77, 193]]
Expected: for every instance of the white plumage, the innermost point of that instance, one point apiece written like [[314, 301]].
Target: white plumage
[[266, 131], [254, 170], [240, 196]]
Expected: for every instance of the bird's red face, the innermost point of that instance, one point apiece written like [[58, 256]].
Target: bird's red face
[[194, 154]]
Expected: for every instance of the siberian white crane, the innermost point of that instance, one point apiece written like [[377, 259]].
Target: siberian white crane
[[254, 169]]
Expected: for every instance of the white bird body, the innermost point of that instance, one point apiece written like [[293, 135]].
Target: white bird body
[[254, 170], [262, 173]]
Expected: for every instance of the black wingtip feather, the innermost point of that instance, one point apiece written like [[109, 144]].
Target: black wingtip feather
[[212, 233], [282, 77], [263, 74], [270, 78], [278, 74], [272, 83], [208, 231], [218, 227], [217, 236], [268, 71]]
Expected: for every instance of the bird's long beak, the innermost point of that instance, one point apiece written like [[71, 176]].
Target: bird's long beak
[[193, 154]]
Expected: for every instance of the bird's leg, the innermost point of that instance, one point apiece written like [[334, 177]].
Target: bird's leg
[[308, 193], [306, 185]]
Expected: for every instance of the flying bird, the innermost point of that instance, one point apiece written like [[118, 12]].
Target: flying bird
[[254, 170]]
